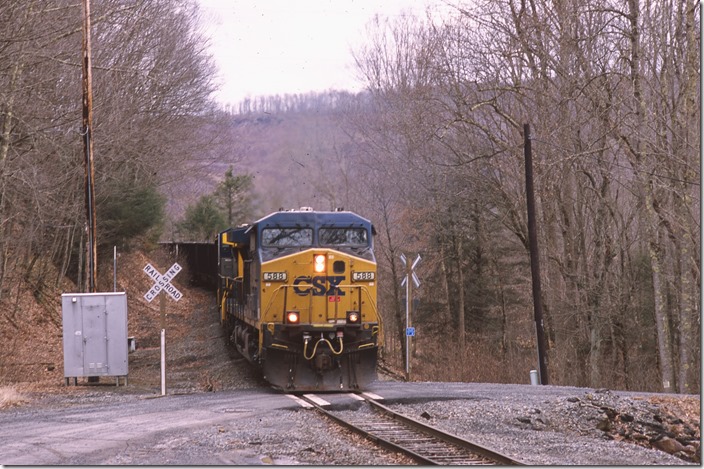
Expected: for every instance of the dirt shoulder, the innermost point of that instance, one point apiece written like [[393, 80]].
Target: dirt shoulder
[[198, 357]]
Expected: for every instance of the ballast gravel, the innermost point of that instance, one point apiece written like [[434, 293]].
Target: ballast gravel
[[545, 425]]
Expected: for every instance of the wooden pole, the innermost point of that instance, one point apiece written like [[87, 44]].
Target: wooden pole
[[535, 258], [89, 178]]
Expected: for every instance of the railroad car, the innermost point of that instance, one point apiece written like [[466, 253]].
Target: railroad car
[[297, 295]]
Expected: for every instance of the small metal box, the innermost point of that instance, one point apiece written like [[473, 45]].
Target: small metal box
[[95, 334]]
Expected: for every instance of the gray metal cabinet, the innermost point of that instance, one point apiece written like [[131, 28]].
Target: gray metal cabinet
[[95, 334]]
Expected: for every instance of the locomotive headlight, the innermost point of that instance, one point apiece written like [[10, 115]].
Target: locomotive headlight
[[353, 317], [319, 263], [293, 317]]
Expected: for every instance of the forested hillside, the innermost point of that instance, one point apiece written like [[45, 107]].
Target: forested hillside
[[432, 153], [298, 150], [434, 156]]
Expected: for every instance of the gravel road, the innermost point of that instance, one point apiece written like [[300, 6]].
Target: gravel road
[[100, 425], [228, 427]]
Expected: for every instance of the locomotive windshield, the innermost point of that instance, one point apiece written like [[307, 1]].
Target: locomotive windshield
[[287, 237], [352, 237], [285, 233]]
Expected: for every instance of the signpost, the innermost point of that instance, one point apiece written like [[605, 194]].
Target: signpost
[[162, 283], [410, 331]]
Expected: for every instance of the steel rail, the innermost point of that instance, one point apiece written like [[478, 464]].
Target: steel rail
[[423, 443]]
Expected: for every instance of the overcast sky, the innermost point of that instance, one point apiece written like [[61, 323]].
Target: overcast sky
[[266, 47]]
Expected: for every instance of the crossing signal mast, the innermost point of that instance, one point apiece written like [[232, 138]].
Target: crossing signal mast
[[406, 282]]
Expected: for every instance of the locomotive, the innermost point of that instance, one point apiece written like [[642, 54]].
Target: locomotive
[[297, 296]]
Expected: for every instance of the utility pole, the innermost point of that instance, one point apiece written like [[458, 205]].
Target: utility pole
[[89, 178], [535, 258]]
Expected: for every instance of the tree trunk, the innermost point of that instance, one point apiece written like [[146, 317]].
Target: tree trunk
[[5, 224], [686, 326], [662, 320], [639, 158], [445, 315], [460, 292]]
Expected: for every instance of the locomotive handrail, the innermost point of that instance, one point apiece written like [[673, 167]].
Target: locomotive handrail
[[223, 291], [223, 309], [227, 291]]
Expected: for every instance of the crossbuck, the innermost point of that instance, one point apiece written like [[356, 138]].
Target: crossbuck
[[162, 282]]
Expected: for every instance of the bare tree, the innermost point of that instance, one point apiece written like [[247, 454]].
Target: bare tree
[[152, 82], [615, 163]]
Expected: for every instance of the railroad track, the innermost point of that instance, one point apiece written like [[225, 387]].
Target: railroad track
[[423, 443]]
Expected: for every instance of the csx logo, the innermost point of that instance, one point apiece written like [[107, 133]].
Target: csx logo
[[318, 285]]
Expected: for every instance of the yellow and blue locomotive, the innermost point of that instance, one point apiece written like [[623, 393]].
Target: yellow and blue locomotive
[[297, 293]]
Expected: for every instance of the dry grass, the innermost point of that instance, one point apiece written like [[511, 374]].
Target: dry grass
[[32, 358], [9, 396], [198, 358], [478, 361]]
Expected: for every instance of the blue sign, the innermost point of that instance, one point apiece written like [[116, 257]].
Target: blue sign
[[411, 331]]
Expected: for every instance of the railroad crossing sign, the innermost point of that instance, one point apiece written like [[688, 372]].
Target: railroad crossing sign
[[162, 282], [412, 268]]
